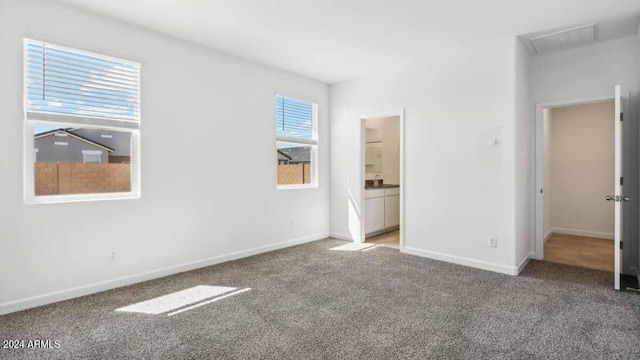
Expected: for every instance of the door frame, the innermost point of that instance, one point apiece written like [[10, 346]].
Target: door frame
[[362, 172], [537, 245]]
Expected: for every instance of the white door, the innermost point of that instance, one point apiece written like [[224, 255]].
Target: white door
[[619, 196]]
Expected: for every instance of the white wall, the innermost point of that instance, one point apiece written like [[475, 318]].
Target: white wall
[[582, 169], [459, 189], [593, 71], [390, 131], [208, 165]]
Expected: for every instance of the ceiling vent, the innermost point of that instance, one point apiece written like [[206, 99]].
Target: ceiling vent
[[565, 39]]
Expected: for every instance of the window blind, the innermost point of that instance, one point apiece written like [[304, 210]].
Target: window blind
[[74, 86], [295, 120]]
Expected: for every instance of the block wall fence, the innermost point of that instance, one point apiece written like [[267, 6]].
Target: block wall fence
[[77, 178]]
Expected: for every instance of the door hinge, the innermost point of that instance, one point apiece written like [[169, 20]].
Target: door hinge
[[540, 191], [621, 181], [620, 245], [621, 116]]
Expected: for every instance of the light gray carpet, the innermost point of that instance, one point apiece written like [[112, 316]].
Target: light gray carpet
[[308, 302]]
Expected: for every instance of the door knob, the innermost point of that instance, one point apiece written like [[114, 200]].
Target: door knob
[[617, 198]]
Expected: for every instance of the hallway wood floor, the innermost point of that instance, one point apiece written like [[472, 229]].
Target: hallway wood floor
[[390, 239], [580, 251]]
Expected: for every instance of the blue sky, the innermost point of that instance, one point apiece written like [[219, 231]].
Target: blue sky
[[37, 129], [294, 118], [67, 82]]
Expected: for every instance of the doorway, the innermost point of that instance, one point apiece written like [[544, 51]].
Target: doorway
[[382, 186], [579, 156], [579, 183]]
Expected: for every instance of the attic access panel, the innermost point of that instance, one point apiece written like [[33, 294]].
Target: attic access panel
[[565, 39]]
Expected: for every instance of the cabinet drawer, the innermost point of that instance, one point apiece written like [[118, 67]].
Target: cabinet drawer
[[392, 191], [368, 194]]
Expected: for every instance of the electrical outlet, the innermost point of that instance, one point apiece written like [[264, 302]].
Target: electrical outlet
[[112, 256], [493, 242]]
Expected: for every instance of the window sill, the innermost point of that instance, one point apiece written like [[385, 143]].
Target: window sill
[[71, 198], [297, 187]]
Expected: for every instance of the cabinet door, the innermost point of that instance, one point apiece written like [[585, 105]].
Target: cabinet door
[[374, 215], [391, 211]]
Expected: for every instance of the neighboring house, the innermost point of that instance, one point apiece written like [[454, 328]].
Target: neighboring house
[[81, 146], [119, 141], [294, 155], [283, 159]]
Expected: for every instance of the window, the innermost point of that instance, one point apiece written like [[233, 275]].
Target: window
[[91, 156], [296, 143], [82, 120]]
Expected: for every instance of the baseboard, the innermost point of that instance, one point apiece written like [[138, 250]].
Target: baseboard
[[503, 269], [340, 236], [40, 300], [593, 234], [523, 264], [547, 236], [635, 269], [383, 231]]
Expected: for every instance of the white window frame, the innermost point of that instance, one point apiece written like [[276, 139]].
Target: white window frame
[[86, 123], [91, 152], [314, 147]]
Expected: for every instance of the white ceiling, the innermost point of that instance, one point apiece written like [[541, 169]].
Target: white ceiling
[[338, 40]]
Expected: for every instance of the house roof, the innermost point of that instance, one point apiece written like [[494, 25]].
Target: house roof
[[297, 154], [285, 155], [69, 132]]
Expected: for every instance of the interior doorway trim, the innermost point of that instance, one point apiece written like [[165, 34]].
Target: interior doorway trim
[[361, 164], [538, 175]]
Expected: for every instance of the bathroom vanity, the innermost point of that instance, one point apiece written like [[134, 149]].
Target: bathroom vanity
[[382, 209]]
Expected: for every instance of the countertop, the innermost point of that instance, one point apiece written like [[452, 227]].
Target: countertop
[[383, 186]]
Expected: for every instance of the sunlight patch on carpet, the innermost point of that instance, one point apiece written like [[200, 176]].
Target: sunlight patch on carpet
[[354, 246], [176, 300], [208, 301]]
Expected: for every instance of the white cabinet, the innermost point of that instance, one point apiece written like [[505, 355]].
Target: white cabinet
[[382, 209], [392, 191], [373, 193], [374, 215], [391, 211]]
